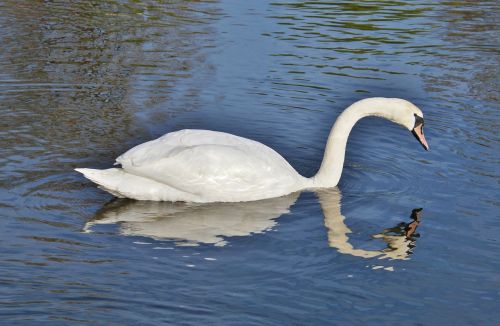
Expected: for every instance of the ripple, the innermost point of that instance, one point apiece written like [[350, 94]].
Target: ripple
[[83, 81]]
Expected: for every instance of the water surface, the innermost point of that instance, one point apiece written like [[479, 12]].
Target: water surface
[[81, 82]]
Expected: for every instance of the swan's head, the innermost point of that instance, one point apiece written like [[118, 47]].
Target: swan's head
[[412, 118], [404, 113]]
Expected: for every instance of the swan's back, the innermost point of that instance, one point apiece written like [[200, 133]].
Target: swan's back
[[169, 144], [213, 166]]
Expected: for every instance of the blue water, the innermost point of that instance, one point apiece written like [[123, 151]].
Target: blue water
[[81, 82]]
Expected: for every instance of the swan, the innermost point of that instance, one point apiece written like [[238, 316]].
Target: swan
[[209, 166]]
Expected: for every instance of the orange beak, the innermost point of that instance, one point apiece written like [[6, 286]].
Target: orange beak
[[418, 132]]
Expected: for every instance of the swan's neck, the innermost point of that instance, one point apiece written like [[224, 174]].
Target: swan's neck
[[333, 161]]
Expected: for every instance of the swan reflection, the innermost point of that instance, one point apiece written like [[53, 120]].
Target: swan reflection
[[399, 240], [192, 223], [213, 223]]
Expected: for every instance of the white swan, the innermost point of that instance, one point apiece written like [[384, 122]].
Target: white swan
[[208, 166]]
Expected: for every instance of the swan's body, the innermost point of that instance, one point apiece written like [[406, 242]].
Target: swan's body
[[199, 166], [210, 166]]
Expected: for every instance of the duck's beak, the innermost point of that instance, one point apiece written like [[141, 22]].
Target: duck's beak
[[418, 132]]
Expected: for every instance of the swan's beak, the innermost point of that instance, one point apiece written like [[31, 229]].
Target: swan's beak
[[418, 132]]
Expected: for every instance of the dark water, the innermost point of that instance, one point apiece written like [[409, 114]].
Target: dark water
[[82, 81]]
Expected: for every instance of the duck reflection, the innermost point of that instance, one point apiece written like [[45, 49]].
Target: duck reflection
[[213, 223]]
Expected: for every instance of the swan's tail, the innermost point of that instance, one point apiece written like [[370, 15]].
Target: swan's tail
[[110, 180], [122, 184]]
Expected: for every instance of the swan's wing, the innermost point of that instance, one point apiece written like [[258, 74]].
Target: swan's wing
[[209, 163], [164, 146]]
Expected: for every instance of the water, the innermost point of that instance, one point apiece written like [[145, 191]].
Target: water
[[81, 82]]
